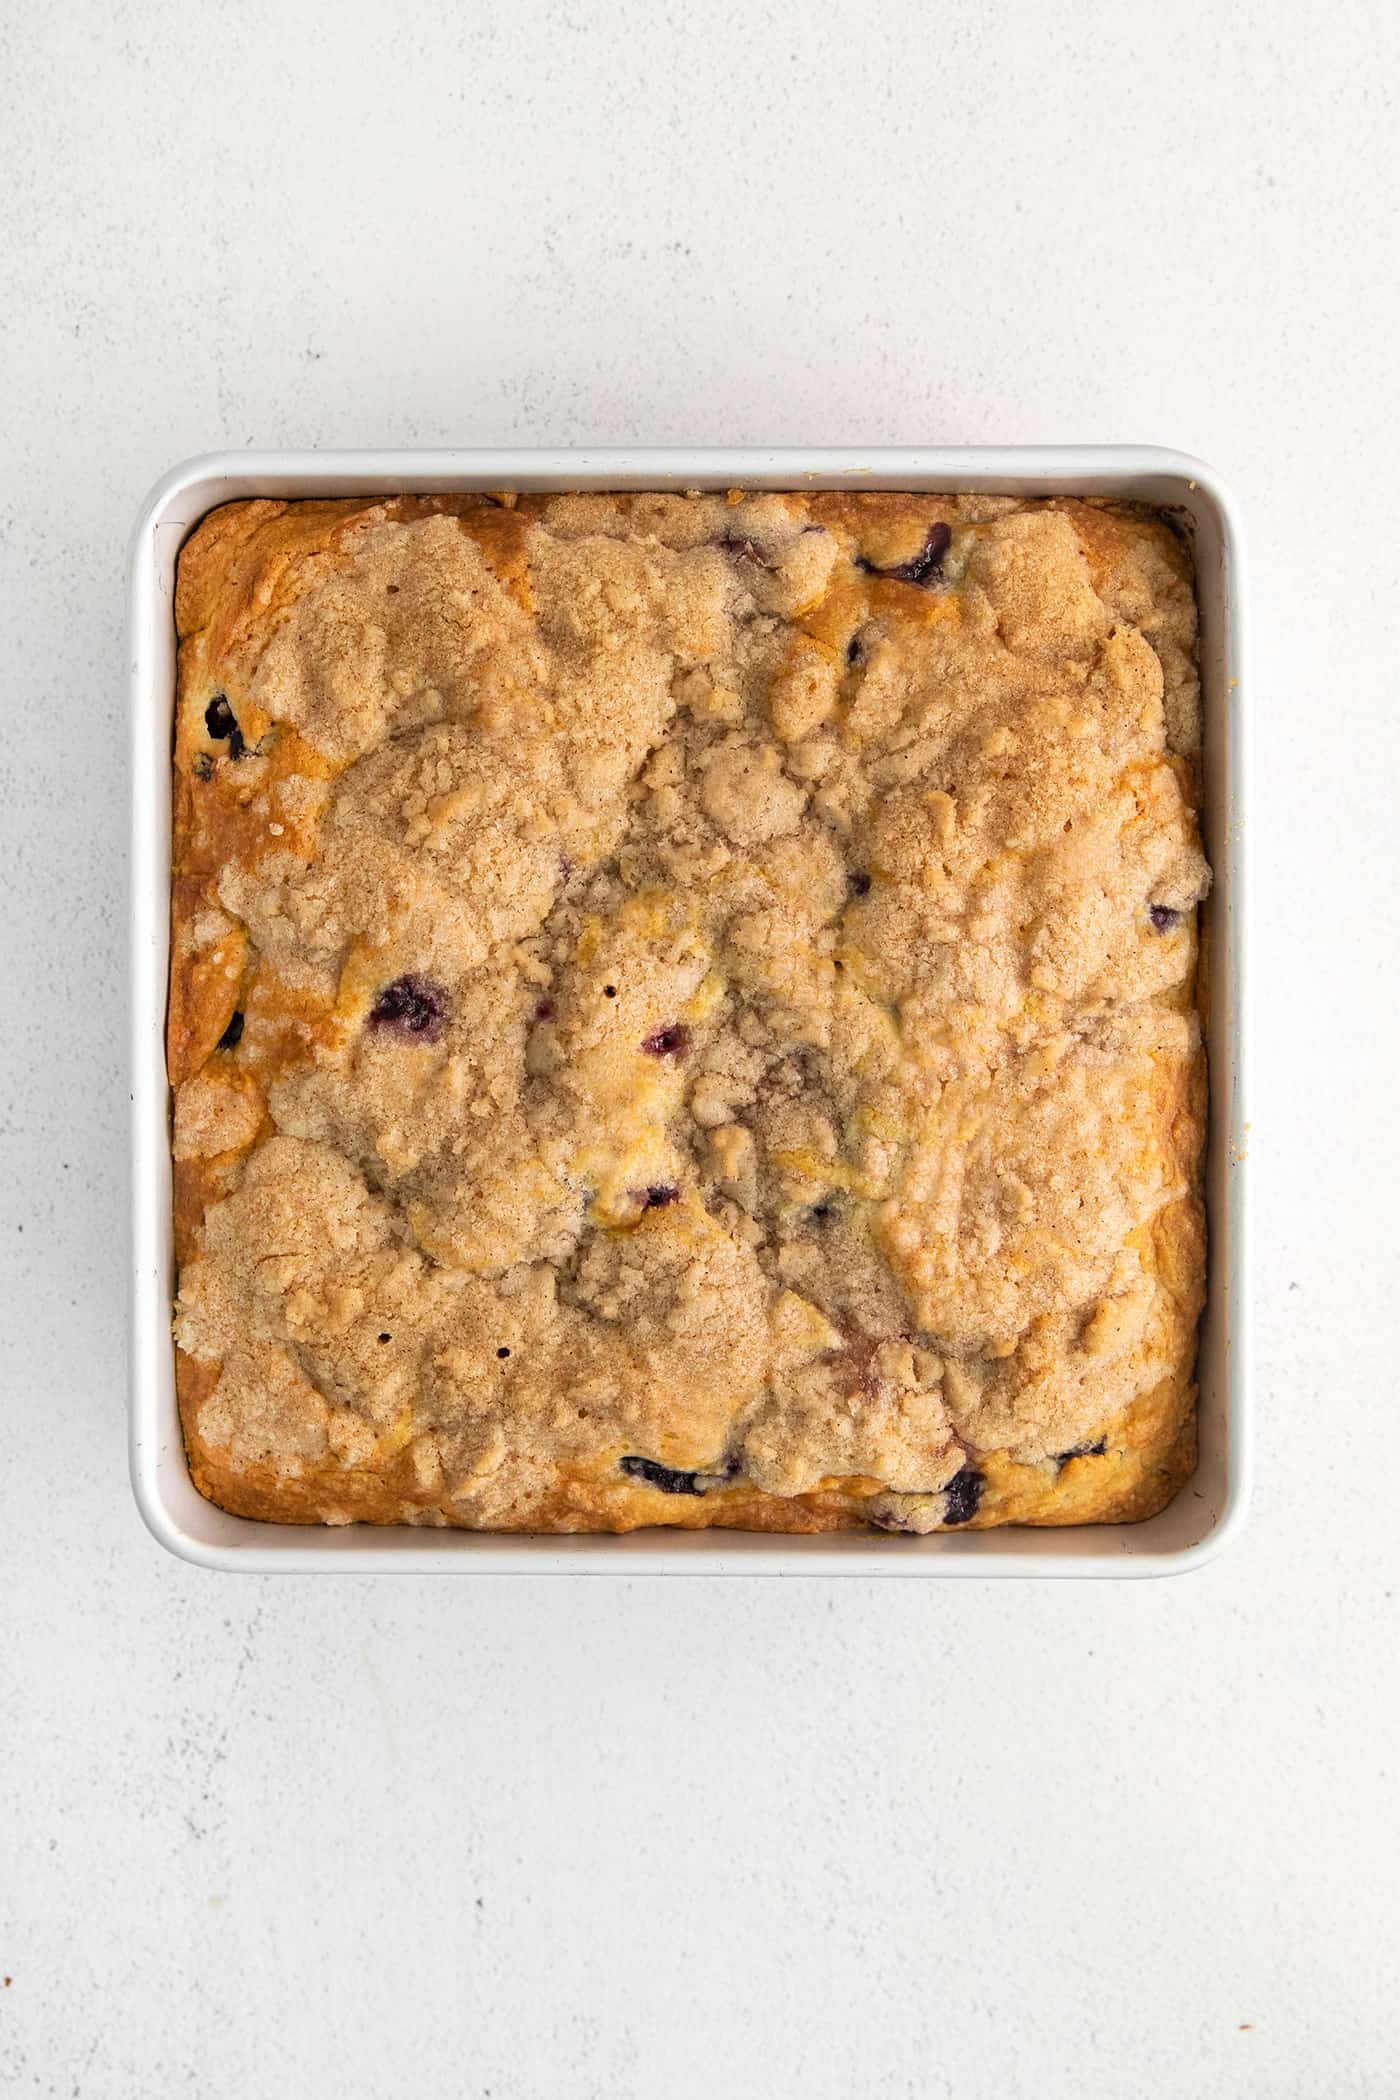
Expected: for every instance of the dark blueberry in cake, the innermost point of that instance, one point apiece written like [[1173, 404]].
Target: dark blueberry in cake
[[860, 883], [545, 1010], [1163, 917], [962, 1495], [855, 651], [927, 564], [671, 1481], [204, 767], [413, 1007], [658, 1196], [1097, 1450], [233, 1034], [221, 722], [671, 1041], [666, 1478], [822, 1213], [888, 1520], [744, 549]]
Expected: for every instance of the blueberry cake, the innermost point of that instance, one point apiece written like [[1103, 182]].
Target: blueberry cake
[[683, 1011]]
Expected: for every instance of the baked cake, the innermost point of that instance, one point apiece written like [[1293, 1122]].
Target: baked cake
[[683, 1011]]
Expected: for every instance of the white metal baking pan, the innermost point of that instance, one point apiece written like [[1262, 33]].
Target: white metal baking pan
[[1208, 1511]]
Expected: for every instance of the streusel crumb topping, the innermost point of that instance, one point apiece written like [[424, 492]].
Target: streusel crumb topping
[[683, 1010]]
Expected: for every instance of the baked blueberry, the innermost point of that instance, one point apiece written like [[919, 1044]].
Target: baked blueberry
[[233, 1034], [658, 1196], [203, 766], [1095, 1450], [673, 1482], [962, 1495], [744, 549], [221, 722], [860, 883], [1163, 917], [671, 1041], [926, 566], [666, 1478], [887, 1518], [414, 1007]]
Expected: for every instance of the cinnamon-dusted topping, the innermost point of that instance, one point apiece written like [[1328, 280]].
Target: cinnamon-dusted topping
[[687, 990]]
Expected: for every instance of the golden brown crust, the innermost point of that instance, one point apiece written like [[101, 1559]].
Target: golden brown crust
[[683, 1011]]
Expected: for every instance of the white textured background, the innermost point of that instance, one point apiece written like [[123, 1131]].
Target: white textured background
[[646, 1841]]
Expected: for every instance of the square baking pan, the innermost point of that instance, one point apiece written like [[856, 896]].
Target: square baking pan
[[1212, 1505]]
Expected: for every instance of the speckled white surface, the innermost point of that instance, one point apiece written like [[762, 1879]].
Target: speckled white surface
[[348, 1837]]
